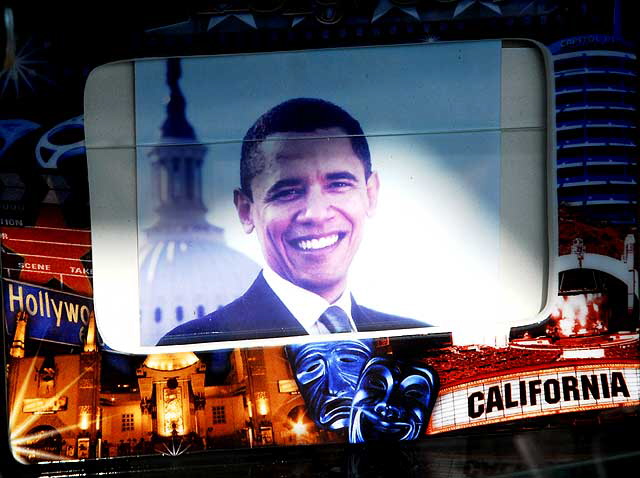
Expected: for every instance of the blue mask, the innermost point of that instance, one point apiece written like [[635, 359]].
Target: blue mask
[[327, 374], [393, 401]]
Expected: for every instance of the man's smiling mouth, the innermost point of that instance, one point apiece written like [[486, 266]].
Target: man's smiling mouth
[[317, 243]]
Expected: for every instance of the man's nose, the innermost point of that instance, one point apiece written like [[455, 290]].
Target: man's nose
[[317, 206]]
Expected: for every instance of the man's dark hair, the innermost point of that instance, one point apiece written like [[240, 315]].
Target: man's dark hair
[[298, 115]]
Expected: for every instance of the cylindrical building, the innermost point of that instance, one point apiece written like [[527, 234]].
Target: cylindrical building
[[596, 121]]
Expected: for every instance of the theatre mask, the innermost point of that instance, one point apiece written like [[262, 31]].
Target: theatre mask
[[327, 374], [393, 401]]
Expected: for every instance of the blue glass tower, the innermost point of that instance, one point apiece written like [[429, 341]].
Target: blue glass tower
[[596, 78]]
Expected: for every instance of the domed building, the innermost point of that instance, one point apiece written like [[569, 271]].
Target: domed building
[[186, 269]]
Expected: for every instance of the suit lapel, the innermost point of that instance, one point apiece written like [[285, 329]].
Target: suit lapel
[[360, 317], [264, 310]]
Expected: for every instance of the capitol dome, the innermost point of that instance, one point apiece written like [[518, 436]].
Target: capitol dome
[[170, 362], [187, 279], [186, 269]]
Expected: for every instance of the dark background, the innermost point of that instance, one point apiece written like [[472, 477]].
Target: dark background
[[65, 40]]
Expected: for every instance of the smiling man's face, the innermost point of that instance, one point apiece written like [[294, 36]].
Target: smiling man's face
[[310, 203]]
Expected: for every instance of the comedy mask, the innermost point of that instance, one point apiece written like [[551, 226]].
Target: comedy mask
[[327, 374], [393, 401]]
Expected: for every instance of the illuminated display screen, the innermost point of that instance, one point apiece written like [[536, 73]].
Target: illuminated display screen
[[261, 200]]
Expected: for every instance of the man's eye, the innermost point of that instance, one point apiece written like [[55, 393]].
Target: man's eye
[[287, 194], [340, 185]]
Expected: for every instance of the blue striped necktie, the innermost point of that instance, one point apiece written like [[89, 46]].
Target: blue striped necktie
[[335, 320]]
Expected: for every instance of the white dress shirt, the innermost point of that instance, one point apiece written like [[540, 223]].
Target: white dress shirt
[[306, 306]]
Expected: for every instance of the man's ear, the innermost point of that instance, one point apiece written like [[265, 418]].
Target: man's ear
[[243, 206], [373, 185]]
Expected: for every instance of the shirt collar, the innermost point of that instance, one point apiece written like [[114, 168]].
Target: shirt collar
[[305, 306]]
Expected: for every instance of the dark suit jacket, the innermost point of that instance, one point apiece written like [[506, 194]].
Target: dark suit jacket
[[259, 313]]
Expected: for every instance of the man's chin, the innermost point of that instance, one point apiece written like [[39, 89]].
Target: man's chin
[[318, 271]]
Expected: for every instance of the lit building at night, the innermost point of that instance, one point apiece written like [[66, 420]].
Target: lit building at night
[[173, 406], [81, 405], [54, 401]]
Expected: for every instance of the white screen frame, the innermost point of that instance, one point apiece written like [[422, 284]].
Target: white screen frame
[[526, 121]]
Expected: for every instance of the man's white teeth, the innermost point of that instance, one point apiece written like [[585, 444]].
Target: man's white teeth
[[321, 243]]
